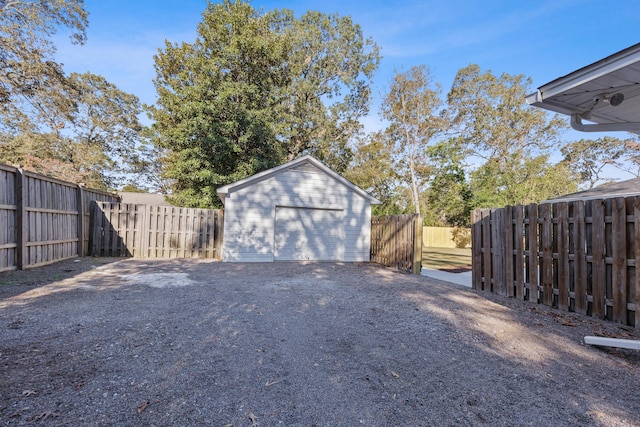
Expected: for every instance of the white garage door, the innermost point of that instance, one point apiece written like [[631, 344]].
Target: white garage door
[[309, 234]]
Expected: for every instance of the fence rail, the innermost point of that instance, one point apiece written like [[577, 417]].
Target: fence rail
[[146, 231], [42, 220], [576, 256], [396, 241]]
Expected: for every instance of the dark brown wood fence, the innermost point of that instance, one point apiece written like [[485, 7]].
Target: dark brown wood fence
[[42, 219], [396, 241], [145, 231], [576, 256]]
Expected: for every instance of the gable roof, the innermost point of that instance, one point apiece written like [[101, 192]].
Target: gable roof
[[229, 188], [630, 187], [605, 93]]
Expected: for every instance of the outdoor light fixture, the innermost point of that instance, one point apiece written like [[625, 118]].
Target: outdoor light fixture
[[613, 100], [616, 99]]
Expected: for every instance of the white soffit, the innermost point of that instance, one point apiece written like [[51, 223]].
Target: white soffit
[[588, 94]]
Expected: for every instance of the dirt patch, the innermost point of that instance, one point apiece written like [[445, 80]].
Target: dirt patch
[[184, 342]]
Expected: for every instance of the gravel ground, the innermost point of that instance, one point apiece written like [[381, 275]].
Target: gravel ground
[[178, 343]]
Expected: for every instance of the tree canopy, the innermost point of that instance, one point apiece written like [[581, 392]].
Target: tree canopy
[[484, 147], [77, 127], [254, 90]]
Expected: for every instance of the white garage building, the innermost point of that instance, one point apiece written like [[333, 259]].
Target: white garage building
[[301, 210]]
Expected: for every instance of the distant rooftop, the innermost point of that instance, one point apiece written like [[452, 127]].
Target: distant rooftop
[[143, 198], [626, 188]]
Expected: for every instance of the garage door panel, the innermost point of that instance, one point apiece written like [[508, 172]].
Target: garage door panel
[[309, 234]]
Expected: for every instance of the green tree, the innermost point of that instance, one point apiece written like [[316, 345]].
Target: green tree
[[372, 170], [412, 109], [255, 90], [77, 127], [331, 66], [96, 140], [510, 141], [449, 198], [631, 157], [590, 157], [30, 75]]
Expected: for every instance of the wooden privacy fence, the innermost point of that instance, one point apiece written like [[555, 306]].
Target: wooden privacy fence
[[145, 231], [446, 237], [578, 256], [42, 219], [396, 241]]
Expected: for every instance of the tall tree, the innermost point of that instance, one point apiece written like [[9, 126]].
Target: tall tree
[[255, 90], [331, 65], [589, 157], [95, 140], [412, 109], [76, 127], [30, 74], [510, 140], [372, 169], [449, 198]]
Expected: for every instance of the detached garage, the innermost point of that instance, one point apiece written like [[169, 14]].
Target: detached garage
[[299, 211]]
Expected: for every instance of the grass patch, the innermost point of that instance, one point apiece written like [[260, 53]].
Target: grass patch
[[454, 260]]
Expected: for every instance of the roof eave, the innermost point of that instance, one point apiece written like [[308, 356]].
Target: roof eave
[[612, 63]]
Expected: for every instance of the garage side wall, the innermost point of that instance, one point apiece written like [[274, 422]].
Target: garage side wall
[[249, 226]]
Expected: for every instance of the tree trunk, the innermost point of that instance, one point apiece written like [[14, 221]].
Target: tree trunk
[[414, 185]]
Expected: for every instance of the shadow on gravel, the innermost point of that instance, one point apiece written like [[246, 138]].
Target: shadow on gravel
[[543, 349]]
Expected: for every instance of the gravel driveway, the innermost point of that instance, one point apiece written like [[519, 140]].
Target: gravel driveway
[[178, 343]]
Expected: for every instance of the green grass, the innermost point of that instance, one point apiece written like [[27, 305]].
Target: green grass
[[449, 259]]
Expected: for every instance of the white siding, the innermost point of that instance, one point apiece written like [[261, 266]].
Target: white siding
[[250, 212]]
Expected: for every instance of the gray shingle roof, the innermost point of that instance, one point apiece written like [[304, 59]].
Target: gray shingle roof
[[630, 187], [143, 198]]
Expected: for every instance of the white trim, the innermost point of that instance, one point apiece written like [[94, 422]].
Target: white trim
[[605, 66], [613, 342]]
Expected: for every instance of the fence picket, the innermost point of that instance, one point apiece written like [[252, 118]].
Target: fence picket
[[486, 255], [562, 240], [636, 255], [579, 258], [598, 291], [508, 249], [518, 247], [619, 262]]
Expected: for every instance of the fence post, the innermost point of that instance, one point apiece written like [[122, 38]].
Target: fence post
[[598, 266], [21, 220], [80, 208], [507, 231], [498, 250], [580, 258], [534, 261], [619, 254], [476, 249], [562, 239], [417, 244]]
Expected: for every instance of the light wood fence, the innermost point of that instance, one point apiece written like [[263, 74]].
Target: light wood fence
[[579, 256], [42, 219], [144, 231], [396, 241], [446, 237]]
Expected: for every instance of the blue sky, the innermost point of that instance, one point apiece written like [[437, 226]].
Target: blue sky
[[542, 39]]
